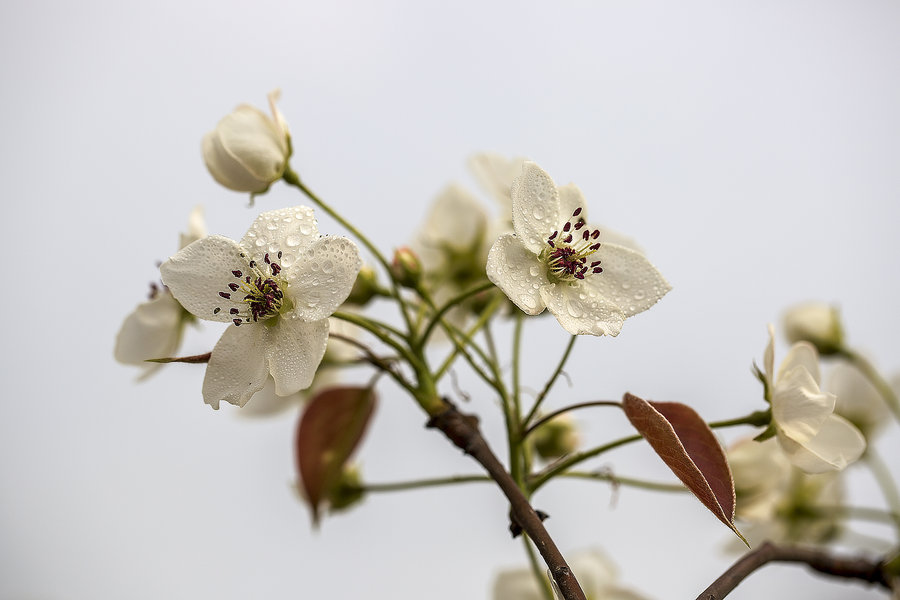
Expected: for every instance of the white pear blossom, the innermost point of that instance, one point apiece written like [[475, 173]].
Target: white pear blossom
[[453, 243], [555, 261], [155, 328], [594, 571], [495, 173], [248, 149], [812, 436], [277, 286], [817, 323], [762, 474]]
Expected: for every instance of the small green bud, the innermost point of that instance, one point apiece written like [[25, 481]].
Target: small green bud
[[406, 267], [364, 288], [817, 323], [347, 491], [555, 438]]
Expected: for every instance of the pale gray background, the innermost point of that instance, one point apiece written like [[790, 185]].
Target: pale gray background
[[752, 148]]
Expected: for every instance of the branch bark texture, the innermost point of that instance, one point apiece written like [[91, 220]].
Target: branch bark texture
[[463, 431], [861, 568]]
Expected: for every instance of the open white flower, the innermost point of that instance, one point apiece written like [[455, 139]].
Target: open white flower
[[155, 328], [594, 571], [248, 149], [762, 474], [278, 286], [811, 435], [555, 261]]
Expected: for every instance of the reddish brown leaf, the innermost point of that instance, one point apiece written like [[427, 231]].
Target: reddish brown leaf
[[329, 431], [687, 445]]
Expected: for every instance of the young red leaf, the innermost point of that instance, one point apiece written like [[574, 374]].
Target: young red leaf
[[687, 445], [329, 431]]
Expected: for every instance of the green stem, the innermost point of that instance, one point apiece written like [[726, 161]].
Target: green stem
[[629, 481], [537, 570], [439, 315], [290, 177], [417, 484], [862, 513], [866, 368], [885, 481], [513, 413], [481, 322], [551, 381], [565, 409], [579, 457]]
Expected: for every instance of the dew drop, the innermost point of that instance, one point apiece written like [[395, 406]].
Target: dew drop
[[305, 229], [260, 242], [314, 266], [639, 295], [538, 212], [534, 270], [327, 266], [575, 309], [271, 226], [293, 240], [626, 285], [527, 301]]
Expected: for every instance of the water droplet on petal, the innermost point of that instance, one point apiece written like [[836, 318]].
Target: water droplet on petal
[[639, 295], [575, 309], [534, 270], [626, 285], [293, 240], [260, 242], [327, 266]]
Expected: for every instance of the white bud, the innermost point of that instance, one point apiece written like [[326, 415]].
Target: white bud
[[817, 323], [248, 149]]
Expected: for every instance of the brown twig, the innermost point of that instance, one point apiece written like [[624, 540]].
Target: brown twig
[[865, 569], [463, 431]]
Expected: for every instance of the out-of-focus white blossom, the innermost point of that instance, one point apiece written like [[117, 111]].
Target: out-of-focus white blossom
[[155, 328], [594, 571], [811, 435], [857, 400], [554, 261], [762, 474], [817, 323], [248, 150], [278, 286]]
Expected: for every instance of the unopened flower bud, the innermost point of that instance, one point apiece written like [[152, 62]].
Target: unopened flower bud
[[817, 323], [347, 491], [248, 150], [555, 438], [406, 267], [364, 288]]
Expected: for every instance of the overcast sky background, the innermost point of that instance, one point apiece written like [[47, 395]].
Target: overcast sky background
[[751, 149]]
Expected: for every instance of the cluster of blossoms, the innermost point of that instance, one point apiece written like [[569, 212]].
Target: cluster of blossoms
[[277, 288]]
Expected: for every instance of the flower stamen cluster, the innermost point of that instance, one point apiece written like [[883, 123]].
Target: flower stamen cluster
[[567, 260], [263, 294]]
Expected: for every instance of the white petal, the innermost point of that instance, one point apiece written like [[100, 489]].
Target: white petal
[[495, 173], [594, 571], [273, 97], [196, 228], [456, 219], [518, 272], [535, 207], [286, 230], [199, 274], [857, 399], [769, 357], [237, 367], [255, 141], [581, 311], [799, 408], [628, 279], [518, 584], [837, 445], [570, 199], [266, 402], [323, 276], [293, 352], [153, 330], [226, 169], [801, 353]]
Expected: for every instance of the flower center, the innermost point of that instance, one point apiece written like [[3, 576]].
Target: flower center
[[569, 248], [262, 290]]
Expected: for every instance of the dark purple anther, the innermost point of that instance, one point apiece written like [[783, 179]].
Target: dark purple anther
[[225, 295], [236, 273]]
